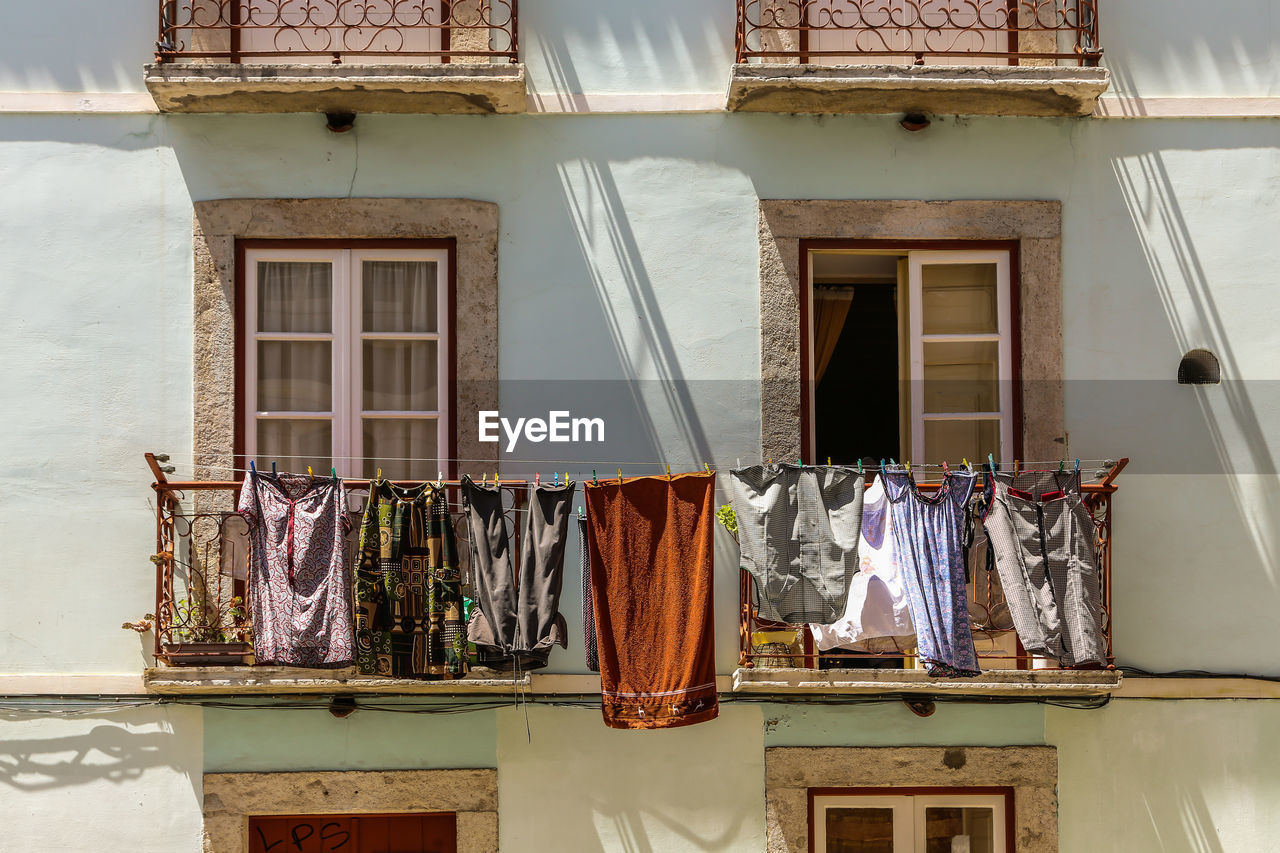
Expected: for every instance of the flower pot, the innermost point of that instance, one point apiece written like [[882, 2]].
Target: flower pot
[[206, 654]]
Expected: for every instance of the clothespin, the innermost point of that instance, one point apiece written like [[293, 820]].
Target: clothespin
[[309, 474], [1062, 463], [800, 462], [273, 469], [965, 461], [439, 476], [770, 460], [828, 461], [537, 480], [1017, 466], [619, 476], [882, 465], [739, 465], [496, 482], [668, 472], [555, 478], [566, 478], [379, 477], [484, 478], [991, 460], [945, 469], [908, 466], [333, 472], [1077, 466], [580, 512], [252, 467], [594, 481], [859, 464], [706, 467]]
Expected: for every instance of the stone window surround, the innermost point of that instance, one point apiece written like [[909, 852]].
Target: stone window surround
[[472, 225], [1036, 226], [1032, 772], [230, 798]]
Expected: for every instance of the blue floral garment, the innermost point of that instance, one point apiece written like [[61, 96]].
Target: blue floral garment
[[928, 533]]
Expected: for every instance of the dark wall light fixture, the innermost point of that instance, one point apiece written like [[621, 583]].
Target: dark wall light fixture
[[914, 122], [1199, 367], [339, 122]]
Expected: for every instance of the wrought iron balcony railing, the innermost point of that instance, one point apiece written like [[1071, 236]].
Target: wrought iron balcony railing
[[919, 32], [775, 645], [338, 31]]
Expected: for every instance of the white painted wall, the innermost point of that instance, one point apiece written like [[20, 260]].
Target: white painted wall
[[1153, 47], [128, 780], [570, 783], [1193, 776]]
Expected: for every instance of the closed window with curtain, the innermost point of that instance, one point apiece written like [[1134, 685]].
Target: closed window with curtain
[[346, 360]]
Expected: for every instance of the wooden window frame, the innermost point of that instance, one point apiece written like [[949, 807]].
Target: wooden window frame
[[444, 249], [919, 799], [888, 247]]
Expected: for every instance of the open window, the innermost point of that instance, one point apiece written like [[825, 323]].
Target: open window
[[346, 358], [910, 354], [931, 820]]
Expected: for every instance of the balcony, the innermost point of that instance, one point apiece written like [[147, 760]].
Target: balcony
[[337, 56], [951, 57], [781, 658], [203, 631]]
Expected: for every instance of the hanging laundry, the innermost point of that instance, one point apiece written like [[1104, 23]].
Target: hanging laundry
[[588, 600], [877, 616], [1045, 547], [798, 529], [928, 534], [409, 608], [652, 575], [299, 581], [517, 619]]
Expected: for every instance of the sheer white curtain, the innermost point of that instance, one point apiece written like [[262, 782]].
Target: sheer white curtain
[[400, 374], [295, 298]]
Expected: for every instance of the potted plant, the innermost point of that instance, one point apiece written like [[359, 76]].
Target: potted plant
[[209, 633]]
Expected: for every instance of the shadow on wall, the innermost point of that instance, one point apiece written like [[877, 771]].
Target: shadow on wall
[[109, 753], [67, 46]]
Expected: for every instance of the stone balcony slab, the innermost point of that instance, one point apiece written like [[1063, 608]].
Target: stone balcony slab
[[1000, 682], [454, 88], [931, 90]]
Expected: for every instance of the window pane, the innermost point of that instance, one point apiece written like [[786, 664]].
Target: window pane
[[956, 440], [399, 296], [962, 377], [403, 449], [294, 376], [959, 298], [295, 444], [294, 296], [959, 830], [859, 831], [401, 376]]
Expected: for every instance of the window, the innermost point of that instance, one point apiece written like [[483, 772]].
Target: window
[[936, 820], [395, 833], [910, 354], [346, 359]]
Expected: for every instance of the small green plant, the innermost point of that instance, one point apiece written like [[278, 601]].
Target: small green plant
[[210, 622], [726, 516]]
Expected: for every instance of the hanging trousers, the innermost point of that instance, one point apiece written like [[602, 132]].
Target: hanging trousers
[[517, 618]]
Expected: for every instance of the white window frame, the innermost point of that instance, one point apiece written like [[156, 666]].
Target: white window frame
[[916, 261], [346, 337], [909, 834], [910, 300]]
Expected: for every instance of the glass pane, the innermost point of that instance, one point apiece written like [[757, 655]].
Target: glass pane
[[956, 440], [959, 299], [859, 831], [401, 376], [294, 296], [399, 296], [294, 376], [403, 449], [295, 444], [962, 377], [959, 830]]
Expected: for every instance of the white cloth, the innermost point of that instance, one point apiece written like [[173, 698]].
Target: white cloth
[[877, 617]]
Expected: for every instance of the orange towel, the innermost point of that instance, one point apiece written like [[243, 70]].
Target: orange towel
[[651, 576]]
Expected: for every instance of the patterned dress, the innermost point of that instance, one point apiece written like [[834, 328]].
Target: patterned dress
[[929, 539], [299, 581], [409, 611]]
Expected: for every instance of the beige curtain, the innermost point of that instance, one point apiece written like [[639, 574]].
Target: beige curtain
[[830, 308]]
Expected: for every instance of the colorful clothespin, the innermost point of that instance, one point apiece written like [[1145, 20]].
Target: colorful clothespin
[[379, 477], [706, 467], [309, 474], [668, 467], [1017, 466], [439, 476], [882, 465], [252, 467], [619, 476], [964, 460], [908, 466], [580, 512], [828, 461], [945, 469], [594, 480], [566, 478], [859, 464], [333, 472], [1077, 466], [273, 469], [800, 462], [1062, 463], [991, 460], [484, 478], [555, 478], [537, 480]]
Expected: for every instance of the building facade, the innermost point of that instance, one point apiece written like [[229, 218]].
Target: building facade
[[709, 235]]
